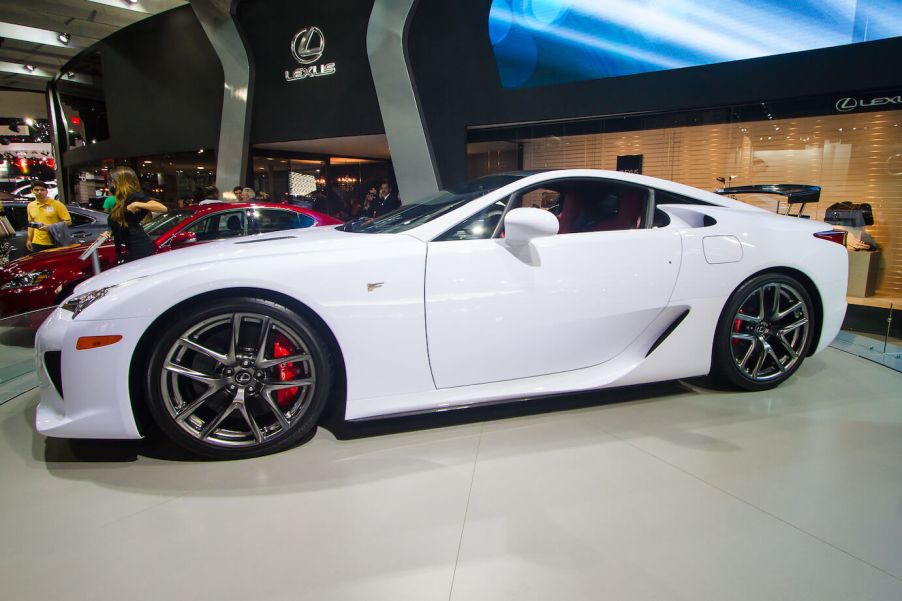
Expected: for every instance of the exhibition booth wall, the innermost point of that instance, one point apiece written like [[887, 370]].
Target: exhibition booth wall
[[507, 85]]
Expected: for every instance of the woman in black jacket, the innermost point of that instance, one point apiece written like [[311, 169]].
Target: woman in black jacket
[[131, 207]]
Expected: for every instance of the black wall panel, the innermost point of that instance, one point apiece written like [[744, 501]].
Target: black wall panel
[[163, 87], [459, 87], [342, 104]]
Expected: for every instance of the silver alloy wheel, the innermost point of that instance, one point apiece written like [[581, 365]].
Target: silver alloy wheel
[[770, 331], [222, 383]]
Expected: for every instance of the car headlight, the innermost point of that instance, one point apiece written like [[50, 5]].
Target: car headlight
[[79, 303], [25, 280]]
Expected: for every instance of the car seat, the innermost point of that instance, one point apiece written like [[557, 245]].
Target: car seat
[[233, 224], [630, 212], [571, 213]]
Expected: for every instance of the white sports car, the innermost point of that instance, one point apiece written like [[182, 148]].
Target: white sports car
[[511, 286]]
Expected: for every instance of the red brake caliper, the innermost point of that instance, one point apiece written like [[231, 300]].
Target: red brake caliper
[[282, 347], [737, 325]]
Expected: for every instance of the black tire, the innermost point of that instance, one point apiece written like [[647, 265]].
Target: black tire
[[230, 400], [764, 332]]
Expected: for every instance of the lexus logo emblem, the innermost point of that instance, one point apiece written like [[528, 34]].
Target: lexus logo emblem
[[846, 104], [308, 45], [243, 378]]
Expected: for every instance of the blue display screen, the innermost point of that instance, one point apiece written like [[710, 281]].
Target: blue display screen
[[543, 42]]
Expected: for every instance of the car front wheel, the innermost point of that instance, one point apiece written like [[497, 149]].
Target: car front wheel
[[764, 332], [238, 378]]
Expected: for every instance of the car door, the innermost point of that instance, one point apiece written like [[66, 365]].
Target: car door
[[18, 218], [84, 228], [226, 224], [565, 302]]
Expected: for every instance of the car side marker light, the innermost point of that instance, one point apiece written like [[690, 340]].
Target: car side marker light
[[88, 342]]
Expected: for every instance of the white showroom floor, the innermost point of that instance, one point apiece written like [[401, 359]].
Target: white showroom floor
[[669, 492]]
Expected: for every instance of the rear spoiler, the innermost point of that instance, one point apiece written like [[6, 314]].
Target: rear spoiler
[[795, 193]]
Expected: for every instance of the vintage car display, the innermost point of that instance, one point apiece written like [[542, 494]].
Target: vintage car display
[[46, 278], [512, 286]]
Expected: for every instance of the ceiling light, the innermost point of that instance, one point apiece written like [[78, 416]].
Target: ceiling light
[[64, 37], [29, 68], [29, 121]]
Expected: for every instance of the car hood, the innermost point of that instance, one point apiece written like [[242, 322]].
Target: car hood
[[300, 245], [47, 259]]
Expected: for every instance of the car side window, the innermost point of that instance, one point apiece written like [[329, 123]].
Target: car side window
[[596, 205], [277, 220], [229, 224], [478, 227], [663, 197], [78, 220], [17, 217]]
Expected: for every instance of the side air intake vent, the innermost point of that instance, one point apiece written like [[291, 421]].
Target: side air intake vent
[[673, 326], [53, 363]]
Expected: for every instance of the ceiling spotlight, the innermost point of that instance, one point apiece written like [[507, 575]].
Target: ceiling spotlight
[[64, 37], [131, 1], [29, 121], [29, 68]]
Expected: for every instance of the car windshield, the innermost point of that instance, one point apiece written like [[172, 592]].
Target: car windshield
[[423, 211], [164, 222]]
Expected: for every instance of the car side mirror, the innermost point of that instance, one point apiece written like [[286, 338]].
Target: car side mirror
[[523, 225], [183, 239]]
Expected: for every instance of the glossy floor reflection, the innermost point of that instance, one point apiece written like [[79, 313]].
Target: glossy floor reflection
[[671, 492]]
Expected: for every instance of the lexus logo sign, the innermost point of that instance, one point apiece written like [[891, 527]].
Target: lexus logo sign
[[308, 45], [307, 48], [844, 105]]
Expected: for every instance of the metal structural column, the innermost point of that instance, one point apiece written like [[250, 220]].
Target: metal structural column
[[234, 134], [405, 128], [59, 139]]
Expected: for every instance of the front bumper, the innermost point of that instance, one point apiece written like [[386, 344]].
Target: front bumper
[[87, 394]]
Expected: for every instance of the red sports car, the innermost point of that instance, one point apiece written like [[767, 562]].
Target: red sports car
[[46, 278]]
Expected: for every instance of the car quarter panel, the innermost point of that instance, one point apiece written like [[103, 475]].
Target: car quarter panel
[[769, 242]]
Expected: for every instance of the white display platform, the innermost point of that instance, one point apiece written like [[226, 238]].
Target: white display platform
[[665, 492]]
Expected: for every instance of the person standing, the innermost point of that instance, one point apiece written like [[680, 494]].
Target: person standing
[[238, 191], [388, 200], [131, 207], [43, 211], [211, 195]]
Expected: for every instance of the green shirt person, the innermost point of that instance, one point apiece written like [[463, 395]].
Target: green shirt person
[[108, 203]]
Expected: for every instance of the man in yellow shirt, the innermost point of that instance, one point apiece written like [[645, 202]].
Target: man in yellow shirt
[[43, 211]]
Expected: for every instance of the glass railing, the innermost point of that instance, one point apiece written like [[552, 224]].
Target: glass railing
[[873, 332], [17, 333]]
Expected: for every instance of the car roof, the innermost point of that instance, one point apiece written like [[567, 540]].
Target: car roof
[[219, 206]]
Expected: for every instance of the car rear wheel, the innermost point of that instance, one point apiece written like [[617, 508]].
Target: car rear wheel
[[764, 332], [238, 378]]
